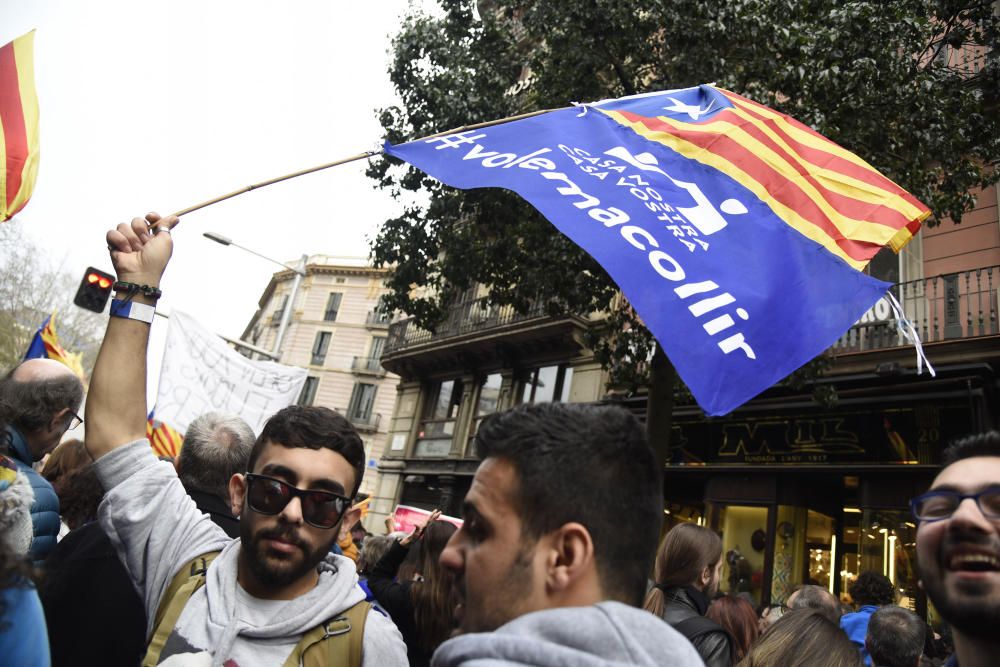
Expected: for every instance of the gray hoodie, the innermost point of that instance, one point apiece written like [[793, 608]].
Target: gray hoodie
[[607, 634], [156, 528]]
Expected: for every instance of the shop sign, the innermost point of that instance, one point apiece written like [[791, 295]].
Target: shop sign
[[901, 436]]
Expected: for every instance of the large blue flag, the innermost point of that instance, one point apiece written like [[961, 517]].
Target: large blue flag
[[737, 234]]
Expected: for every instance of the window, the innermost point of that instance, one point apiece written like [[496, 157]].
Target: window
[[548, 384], [375, 351], [486, 404], [319, 347], [332, 306], [276, 315], [438, 426], [308, 394], [362, 401]]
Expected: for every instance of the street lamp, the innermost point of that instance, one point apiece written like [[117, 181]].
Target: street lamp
[[299, 271]]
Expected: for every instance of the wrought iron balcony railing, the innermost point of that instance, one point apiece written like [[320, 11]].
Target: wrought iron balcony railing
[[945, 307], [376, 319], [371, 365], [464, 318]]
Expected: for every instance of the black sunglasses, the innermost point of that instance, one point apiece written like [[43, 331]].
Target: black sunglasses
[[267, 495]]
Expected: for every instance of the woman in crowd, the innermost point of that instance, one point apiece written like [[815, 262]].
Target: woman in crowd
[[803, 638], [423, 610], [737, 616]]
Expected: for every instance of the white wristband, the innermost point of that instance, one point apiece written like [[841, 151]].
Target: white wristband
[[132, 310]]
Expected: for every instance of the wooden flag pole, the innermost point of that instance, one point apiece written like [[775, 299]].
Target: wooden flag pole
[[353, 158]]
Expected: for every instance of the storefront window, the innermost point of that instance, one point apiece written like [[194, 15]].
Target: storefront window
[[820, 541], [744, 538], [888, 546]]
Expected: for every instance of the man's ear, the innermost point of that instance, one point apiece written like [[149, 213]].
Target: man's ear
[[571, 556], [237, 493], [59, 419], [351, 517]]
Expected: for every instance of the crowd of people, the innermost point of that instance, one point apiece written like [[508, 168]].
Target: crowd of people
[[248, 550]]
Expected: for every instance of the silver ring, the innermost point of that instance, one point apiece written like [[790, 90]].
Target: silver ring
[[157, 230]]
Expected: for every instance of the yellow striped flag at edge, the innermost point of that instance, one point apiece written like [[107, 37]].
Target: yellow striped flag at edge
[[45, 345], [18, 125]]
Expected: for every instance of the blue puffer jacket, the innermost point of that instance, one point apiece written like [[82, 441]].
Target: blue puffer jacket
[[45, 509]]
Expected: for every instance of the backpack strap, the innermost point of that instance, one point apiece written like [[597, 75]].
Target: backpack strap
[[189, 578], [336, 642]]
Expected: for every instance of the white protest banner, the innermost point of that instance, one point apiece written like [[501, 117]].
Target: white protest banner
[[200, 374]]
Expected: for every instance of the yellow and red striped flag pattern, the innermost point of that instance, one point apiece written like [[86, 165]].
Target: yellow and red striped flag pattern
[[164, 440], [19, 125], [821, 190]]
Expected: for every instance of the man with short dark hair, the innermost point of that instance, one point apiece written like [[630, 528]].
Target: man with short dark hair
[[548, 571], [958, 547], [216, 447], [869, 591], [895, 637], [276, 595], [810, 596], [40, 399]]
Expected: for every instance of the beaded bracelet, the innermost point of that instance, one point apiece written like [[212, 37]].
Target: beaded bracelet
[[131, 289]]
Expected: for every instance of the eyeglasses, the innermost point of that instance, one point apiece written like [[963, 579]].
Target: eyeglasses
[[267, 495], [74, 422], [939, 505]]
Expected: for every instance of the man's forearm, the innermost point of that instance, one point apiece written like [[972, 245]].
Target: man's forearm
[[116, 401]]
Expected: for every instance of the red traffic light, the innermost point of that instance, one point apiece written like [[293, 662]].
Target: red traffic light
[[102, 280], [95, 288]]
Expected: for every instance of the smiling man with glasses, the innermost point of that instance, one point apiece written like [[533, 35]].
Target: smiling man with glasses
[[276, 595], [958, 547], [39, 399]]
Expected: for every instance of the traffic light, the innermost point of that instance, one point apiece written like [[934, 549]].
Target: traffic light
[[95, 288]]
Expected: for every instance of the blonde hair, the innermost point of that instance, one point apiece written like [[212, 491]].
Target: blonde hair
[[684, 554]]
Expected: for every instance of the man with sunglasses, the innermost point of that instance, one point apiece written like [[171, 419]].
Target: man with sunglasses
[[958, 547], [275, 585], [40, 399]]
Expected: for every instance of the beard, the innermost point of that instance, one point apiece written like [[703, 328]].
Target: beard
[[973, 615], [276, 570], [502, 604]]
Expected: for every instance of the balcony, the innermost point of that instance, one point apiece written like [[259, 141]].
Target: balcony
[[368, 366], [377, 320], [951, 307], [476, 331], [365, 422]]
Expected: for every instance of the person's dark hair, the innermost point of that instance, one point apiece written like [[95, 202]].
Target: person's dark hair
[[313, 427], [684, 554], [216, 447], [435, 597], [30, 406], [872, 588], [80, 494], [980, 444], [895, 637], [738, 618], [578, 463], [803, 638], [818, 598]]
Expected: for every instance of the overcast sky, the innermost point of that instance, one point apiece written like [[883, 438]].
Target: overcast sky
[[160, 105]]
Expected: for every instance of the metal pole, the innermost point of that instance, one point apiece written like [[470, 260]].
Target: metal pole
[[286, 315]]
